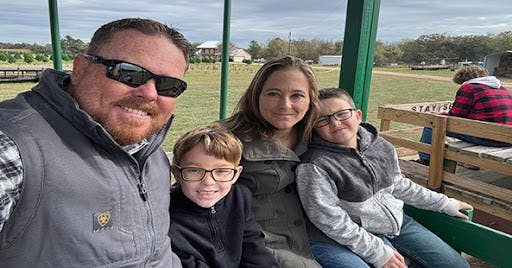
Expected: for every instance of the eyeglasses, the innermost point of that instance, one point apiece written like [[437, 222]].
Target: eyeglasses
[[340, 115], [134, 76], [197, 173]]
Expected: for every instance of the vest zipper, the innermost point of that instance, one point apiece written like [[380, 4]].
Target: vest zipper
[[142, 190]]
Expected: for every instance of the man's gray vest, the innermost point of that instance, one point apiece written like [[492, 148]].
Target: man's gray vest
[[80, 205]]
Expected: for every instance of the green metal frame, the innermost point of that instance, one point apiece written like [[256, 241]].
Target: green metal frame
[[358, 50], [225, 60], [484, 243], [54, 26]]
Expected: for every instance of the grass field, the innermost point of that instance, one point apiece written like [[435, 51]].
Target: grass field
[[200, 103]]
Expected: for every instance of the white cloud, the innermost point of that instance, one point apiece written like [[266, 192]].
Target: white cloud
[[201, 20]]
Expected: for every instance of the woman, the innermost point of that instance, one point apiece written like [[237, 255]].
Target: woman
[[274, 119]]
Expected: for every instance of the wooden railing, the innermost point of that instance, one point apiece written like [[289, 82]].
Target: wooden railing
[[416, 116]]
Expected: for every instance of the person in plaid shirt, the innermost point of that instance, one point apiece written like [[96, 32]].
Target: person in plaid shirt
[[480, 97]]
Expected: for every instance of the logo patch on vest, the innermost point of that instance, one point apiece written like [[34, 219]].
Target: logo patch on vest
[[102, 221]]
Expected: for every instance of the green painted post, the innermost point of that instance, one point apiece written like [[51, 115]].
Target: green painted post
[[54, 27], [225, 59], [359, 49]]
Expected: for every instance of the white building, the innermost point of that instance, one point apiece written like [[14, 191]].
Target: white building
[[239, 55], [499, 64], [329, 60]]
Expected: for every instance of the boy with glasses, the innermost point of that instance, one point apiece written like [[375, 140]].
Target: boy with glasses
[[351, 188], [212, 224]]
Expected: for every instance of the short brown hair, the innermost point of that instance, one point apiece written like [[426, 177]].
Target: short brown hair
[[217, 141], [469, 72], [334, 92], [145, 26], [247, 121]]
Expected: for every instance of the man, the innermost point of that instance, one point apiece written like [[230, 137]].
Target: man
[[83, 180]]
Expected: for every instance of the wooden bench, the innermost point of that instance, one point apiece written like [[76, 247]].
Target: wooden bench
[[412, 118], [474, 239]]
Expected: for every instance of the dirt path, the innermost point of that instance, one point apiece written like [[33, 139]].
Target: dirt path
[[431, 77]]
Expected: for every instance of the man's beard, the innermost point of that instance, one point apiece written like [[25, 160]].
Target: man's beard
[[121, 131]]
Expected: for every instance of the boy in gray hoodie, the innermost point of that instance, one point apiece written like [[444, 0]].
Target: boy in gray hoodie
[[352, 189]]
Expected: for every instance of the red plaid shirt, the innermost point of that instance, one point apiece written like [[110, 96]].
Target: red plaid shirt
[[484, 103]]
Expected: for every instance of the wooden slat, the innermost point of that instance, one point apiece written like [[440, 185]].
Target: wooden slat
[[498, 166], [437, 106], [457, 145], [403, 116], [465, 183], [399, 141], [480, 129], [481, 151], [406, 132], [504, 154], [385, 125], [435, 174]]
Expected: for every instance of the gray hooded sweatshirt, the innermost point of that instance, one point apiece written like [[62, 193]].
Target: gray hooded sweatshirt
[[351, 194]]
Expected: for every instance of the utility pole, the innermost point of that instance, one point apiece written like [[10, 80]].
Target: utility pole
[[289, 42]]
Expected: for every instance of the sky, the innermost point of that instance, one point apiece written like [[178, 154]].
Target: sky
[[26, 21]]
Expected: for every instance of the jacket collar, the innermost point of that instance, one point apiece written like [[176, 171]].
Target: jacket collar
[[260, 150]]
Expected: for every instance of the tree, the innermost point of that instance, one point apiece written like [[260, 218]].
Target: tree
[[430, 49], [71, 45], [471, 47], [11, 58], [42, 57], [254, 49], [3, 56], [193, 49], [28, 57], [311, 50], [275, 48], [502, 42]]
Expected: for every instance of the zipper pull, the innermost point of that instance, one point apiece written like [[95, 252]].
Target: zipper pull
[[142, 191], [212, 210]]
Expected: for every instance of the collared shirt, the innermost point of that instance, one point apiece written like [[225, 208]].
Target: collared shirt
[[483, 102], [11, 174], [11, 177]]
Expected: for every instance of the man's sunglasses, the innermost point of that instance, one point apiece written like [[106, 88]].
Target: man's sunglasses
[[134, 76]]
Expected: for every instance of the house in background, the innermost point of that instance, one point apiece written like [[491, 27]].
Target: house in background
[[239, 55], [210, 50], [213, 50]]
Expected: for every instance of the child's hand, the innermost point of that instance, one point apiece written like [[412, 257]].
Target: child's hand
[[463, 206], [396, 261]]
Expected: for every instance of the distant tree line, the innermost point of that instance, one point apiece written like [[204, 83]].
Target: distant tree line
[[434, 48], [428, 49], [41, 53]]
